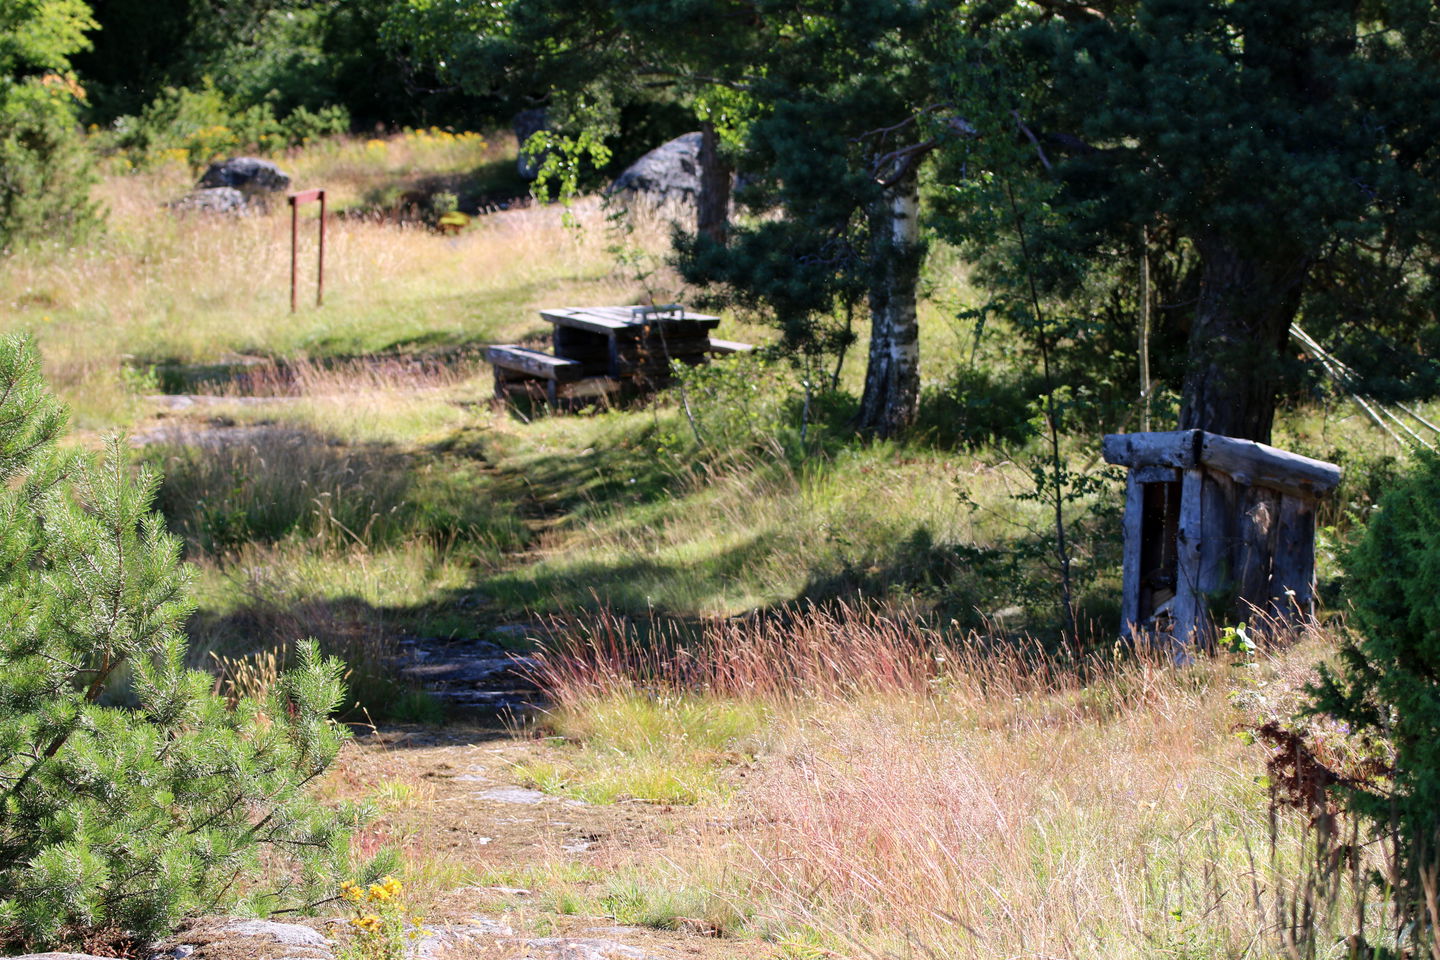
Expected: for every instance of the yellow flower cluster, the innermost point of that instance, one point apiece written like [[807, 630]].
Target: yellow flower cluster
[[387, 889], [379, 920], [437, 135]]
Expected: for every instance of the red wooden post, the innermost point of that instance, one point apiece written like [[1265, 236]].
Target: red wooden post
[[320, 270], [294, 247], [296, 200]]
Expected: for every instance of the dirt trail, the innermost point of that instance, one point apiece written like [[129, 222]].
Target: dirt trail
[[484, 847]]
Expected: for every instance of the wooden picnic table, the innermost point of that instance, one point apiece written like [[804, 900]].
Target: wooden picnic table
[[603, 350]]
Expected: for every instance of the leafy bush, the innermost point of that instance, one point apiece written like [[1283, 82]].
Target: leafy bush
[[1384, 685], [131, 795], [977, 408], [199, 125], [757, 403], [45, 174]]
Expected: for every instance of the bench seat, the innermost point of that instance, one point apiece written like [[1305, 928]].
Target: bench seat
[[535, 363]]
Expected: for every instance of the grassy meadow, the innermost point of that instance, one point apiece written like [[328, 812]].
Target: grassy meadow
[[889, 772]]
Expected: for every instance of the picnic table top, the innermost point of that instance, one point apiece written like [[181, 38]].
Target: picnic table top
[[616, 319]]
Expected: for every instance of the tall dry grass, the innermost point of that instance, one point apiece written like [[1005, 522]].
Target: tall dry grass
[[922, 794], [160, 286]]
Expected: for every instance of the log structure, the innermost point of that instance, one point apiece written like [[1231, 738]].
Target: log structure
[[605, 351], [1215, 528]]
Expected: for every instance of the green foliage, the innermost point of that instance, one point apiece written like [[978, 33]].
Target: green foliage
[[834, 97], [1383, 685], [202, 124], [1195, 132], [45, 172], [977, 407], [130, 795], [286, 54]]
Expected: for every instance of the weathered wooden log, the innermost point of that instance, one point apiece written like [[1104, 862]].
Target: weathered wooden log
[[1175, 448], [1188, 609], [534, 362], [1257, 464]]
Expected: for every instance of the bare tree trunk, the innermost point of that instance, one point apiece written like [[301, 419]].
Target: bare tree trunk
[[892, 379], [1242, 321], [712, 214]]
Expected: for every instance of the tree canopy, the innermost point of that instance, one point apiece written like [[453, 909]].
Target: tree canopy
[[1280, 156]]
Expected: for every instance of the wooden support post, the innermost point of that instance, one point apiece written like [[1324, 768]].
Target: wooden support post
[[1217, 497], [296, 201], [1188, 610], [1130, 571], [294, 248], [1293, 568], [320, 267]]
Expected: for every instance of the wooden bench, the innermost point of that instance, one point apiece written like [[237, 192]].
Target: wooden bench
[[607, 351], [533, 363], [520, 371]]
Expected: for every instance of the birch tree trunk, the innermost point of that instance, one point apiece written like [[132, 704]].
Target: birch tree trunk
[[892, 378]]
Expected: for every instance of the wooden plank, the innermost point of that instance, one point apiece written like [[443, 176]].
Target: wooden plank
[[729, 346], [534, 362], [1155, 474], [1174, 448], [1217, 497], [619, 314], [1257, 464], [1293, 566], [1256, 520], [1189, 612], [655, 348], [620, 320], [588, 320], [641, 315], [1130, 562]]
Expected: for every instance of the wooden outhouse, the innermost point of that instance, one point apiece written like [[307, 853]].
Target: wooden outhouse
[[1215, 529]]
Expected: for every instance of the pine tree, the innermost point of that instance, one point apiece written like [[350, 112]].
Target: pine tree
[[1383, 687], [130, 794], [1286, 150]]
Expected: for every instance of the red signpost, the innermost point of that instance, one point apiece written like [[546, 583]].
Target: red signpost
[[297, 200]]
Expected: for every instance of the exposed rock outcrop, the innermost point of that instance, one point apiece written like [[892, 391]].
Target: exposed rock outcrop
[[669, 172], [250, 174], [215, 200]]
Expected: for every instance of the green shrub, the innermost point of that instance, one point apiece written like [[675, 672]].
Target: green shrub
[[757, 403], [45, 170], [976, 408], [130, 795], [1386, 684], [201, 125]]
